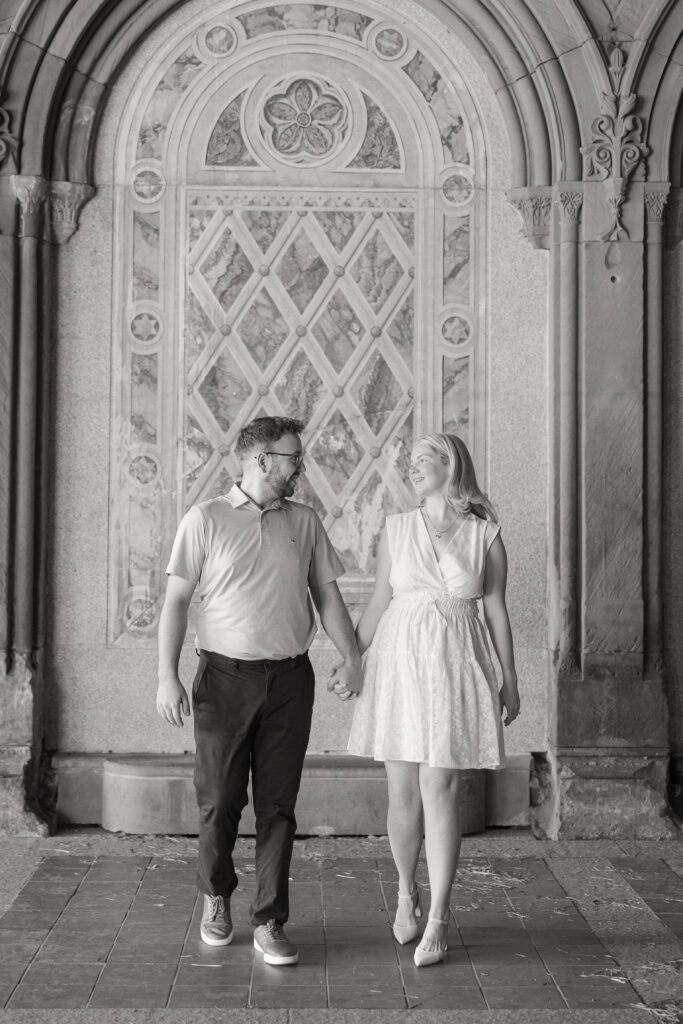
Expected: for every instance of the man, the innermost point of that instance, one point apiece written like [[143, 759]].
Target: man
[[254, 555]]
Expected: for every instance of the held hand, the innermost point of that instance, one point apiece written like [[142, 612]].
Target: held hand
[[345, 680], [172, 701], [509, 701]]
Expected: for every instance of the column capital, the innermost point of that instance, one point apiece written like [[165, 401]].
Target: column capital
[[66, 200], [50, 209], [534, 205], [568, 197], [656, 195]]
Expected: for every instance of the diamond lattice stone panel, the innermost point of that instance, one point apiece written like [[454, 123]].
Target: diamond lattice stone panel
[[338, 225], [338, 331], [377, 271], [225, 389], [336, 451], [300, 388], [226, 269], [263, 329], [264, 225], [377, 392], [302, 270]]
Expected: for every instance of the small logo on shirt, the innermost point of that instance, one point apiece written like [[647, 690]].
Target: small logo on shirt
[[293, 540]]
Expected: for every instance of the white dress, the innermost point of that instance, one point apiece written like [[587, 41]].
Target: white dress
[[429, 689]]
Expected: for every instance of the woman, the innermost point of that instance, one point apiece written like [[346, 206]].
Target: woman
[[430, 704]]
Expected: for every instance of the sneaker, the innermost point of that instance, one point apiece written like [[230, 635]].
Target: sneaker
[[270, 939], [216, 926]]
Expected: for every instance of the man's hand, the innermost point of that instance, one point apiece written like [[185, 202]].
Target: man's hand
[[172, 701], [346, 679]]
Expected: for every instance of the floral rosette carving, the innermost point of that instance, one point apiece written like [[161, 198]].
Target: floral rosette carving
[[307, 121]]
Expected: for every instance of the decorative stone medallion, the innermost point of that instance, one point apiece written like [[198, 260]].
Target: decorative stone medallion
[[457, 189], [145, 328], [220, 41], [148, 185], [456, 330], [143, 468], [306, 120], [390, 44]]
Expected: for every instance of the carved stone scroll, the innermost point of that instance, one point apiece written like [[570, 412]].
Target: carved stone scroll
[[8, 142]]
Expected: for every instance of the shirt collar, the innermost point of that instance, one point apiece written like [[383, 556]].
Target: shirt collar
[[237, 498]]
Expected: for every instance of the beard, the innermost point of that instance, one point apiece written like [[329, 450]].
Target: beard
[[284, 486]]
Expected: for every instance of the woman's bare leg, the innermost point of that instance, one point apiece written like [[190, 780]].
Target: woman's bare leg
[[404, 825], [443, 833]]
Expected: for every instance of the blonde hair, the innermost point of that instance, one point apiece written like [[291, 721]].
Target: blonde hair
[[464, 493]]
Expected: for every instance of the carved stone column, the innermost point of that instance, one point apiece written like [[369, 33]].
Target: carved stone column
[[611, 760], [34, 213]]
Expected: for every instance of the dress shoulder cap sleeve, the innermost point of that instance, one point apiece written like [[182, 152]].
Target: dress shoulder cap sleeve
[[491, 531]]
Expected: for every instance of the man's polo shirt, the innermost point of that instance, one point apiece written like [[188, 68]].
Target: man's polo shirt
[[253, 568]]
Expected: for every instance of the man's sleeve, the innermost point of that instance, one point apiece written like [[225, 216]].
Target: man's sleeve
[[189, 547], [326, 564]]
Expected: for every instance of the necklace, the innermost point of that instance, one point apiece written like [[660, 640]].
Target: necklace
[[438, 534]]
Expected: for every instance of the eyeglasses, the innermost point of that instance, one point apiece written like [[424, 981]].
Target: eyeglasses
[[293, 457]]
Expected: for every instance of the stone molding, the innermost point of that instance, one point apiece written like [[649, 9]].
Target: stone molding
[[50, 209], [617, 149], [8, 142], [674, 218], [534, 206]]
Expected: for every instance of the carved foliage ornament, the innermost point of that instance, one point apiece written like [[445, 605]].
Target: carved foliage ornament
[[534, 208], [617, 147], [64, 201], [8, 142], [306, 121]]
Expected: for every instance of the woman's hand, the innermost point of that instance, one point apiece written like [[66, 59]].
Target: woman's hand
[[509, 700]]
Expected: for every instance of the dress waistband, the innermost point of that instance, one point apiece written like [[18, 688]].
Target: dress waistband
[[443, 598]]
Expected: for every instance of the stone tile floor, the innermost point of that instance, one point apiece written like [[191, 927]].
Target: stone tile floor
[[547, 932]]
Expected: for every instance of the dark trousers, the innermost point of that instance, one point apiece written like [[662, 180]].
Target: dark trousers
[[250, 715]]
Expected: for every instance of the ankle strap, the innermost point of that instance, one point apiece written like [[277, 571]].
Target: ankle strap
[[438, 920]]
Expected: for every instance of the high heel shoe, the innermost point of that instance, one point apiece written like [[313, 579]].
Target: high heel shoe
[[407, 932], [427, 957]]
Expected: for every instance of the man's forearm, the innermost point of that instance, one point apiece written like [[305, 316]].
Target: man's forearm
[[337, 624], [172, 630]]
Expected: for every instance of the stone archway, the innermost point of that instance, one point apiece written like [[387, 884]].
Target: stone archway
[[548, 72]]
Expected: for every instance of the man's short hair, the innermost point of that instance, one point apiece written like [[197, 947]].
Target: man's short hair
[[263, 431]]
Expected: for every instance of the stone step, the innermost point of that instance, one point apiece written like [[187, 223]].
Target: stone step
[[339, 795]]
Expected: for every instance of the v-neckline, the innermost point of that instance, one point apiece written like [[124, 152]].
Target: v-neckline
[[431, 543]]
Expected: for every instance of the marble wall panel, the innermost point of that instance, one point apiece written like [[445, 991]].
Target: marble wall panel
[[226, 269], [163, 102], [300, 388], [456, 260], [197, 328], [264, 225], [225, 389], [197, 450], [263, 329], [144, 380], [293, 17], [338, 225], [338, 331], [337, 451], [145, 257], [356, 534], [401, 330], [227, 147], [456, 396], [377, 272], [380, 149], [444, 105], [377, 392], [302, 270]]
